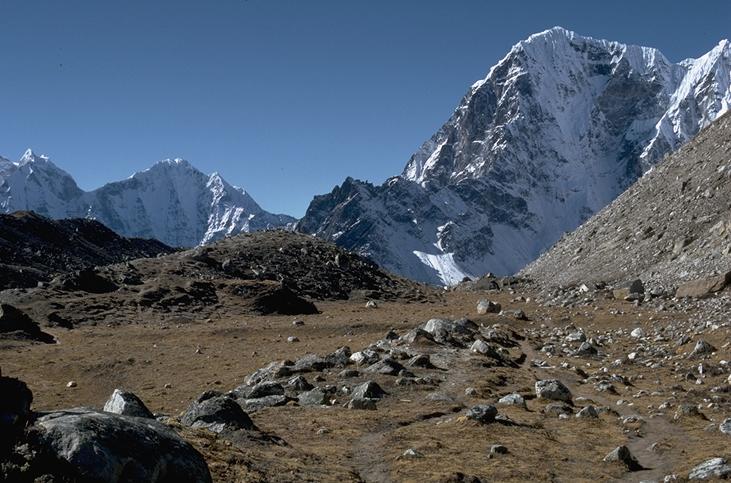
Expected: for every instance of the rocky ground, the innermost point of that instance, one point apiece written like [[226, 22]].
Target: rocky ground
[[262, 273], [535, 386]]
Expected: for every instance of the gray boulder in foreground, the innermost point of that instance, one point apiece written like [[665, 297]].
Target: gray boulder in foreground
[[714, 468], [104, 447]]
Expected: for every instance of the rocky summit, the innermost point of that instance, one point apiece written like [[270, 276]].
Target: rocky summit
[[557, 129]]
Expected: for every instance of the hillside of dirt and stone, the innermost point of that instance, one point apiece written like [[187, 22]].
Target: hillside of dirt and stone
[[34, 249], [671, 227], [260, 273]]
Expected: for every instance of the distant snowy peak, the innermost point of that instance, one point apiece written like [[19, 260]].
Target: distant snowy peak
[[557, 129], [171, 201], [564, 76]]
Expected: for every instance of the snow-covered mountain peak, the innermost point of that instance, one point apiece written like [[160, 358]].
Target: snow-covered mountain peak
[[171, 165], [171, 201], [30, 157], [556, 130]]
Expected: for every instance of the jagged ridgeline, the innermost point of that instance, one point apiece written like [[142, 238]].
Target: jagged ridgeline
[[557, 130], [172, 201]]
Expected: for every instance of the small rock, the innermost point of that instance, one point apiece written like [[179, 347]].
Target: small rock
[[702, 348], [586, 349], [687, 410], [588, 412], [411, 453], [216, 413], [421, 360], [368, 390], [386, 366], [514, 399], [725, 426], [313, 397], [621, 454], [638, 333], [265, 388], [299, 383], [483, 413], [558, 409], [496, 449], [371, 304], [71, 384], [292, 338], [553, 389], [128, 404], [363, 403], [487, 307]]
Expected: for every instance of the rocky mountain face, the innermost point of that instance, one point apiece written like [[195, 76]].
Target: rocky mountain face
[[672, 226], [33, 248], [172, 201], [558, 129]]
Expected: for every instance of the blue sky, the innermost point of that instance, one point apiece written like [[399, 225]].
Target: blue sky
[[283, 97]]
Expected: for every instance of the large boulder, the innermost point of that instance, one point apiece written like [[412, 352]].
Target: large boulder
[[105, 447], [712, 469], [282, 300], [704, 287], [217, 413], [16, 324], [128, 404]]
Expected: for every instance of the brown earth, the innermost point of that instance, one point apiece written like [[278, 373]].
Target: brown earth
[[332, 443]]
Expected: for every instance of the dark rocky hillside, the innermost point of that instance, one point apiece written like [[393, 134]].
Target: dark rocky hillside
[[264, 273], [34, 249]]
